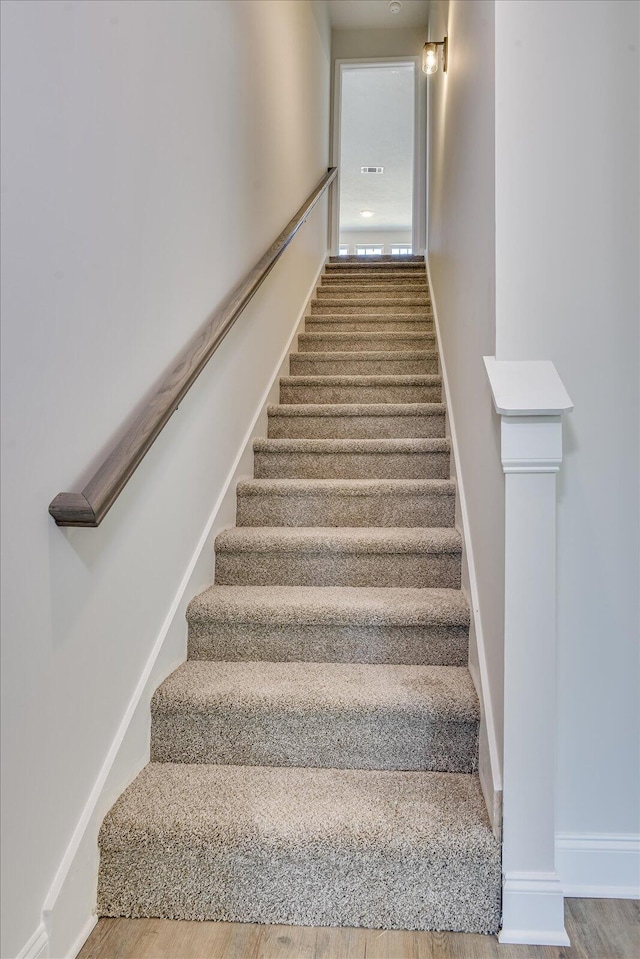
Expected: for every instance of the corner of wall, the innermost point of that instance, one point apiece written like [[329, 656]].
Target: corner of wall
[[488, 761]]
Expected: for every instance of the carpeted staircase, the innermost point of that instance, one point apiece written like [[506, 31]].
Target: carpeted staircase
[[314, 761]]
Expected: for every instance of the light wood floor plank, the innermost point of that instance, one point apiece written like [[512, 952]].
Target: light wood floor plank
[[598, 928]]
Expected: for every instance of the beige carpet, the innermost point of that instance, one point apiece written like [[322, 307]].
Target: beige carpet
[[314, 761]]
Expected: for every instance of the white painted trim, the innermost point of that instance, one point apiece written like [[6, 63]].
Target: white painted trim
[[86, 828], [83, 935], [489, 765], [531, 454], [529, 466], [418, 213], [599, 865], [526, 388], [38, 945], [533, 901]]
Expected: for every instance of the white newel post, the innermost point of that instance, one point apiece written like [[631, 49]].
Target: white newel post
[[530, 398]]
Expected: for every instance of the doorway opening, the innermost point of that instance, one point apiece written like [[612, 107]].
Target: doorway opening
[[375, 150]]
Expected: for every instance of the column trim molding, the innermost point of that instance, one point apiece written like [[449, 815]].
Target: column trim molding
[[530, 398]]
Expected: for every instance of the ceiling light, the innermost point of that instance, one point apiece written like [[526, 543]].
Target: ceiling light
[[395, 6], [430, 56], [366, 213]]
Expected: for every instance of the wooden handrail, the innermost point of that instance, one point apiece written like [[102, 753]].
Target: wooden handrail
[[90, 507]]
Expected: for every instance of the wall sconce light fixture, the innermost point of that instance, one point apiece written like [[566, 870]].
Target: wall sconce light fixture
[[430, 56]]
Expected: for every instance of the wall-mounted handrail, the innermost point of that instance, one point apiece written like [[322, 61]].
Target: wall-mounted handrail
[[90, 507]]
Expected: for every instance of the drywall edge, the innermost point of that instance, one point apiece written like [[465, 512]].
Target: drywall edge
[[488, 763]]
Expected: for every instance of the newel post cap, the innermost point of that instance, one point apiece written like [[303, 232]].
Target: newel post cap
[[526, 388], [531, 398]]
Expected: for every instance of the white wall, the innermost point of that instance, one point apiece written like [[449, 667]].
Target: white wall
[[461, 223], [152, 151], [567, 253], [392, 42], [566, 256]]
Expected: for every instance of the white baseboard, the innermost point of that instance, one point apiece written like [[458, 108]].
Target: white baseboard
[[533, 910], [488, 767], [82, 937], [38, 945], [599, 865], [69, 908]]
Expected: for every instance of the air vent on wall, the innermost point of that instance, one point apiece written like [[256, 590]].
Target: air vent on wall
[[371, 169]]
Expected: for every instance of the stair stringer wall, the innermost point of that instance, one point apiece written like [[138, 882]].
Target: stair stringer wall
[[488, 760], [69, 911]]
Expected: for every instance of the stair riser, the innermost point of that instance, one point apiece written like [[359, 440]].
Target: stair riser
[[374, 296], [354, 342], [415, 307], [282, 465], [331, 510], [338, 568], [357, 427], [360, 394], [367, 324], [379, 273], [385, 286], [373, 275], [349, 739], [284, 642], [369, 887], [305, 364]]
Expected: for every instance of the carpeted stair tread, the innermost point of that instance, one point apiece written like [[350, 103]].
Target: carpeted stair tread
[[369, 362], [435, 692], [396, 356], [408, 293], [332, 715], [339, 556], [330, 446], [364, 292], [342, 341], [355, 409], [302, 846], [411, 304], [386, 285], [303, 605], [341, 502], [361, 388], [345, 487], [366, 356], [415, 306], [315, 539], [373, 274], [354, 458], [354, 379], [301, 422], [338, 624], [367, 323], [371, 325]]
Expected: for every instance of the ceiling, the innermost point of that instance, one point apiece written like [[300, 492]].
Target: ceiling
[[375, 14], [377, 130]]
